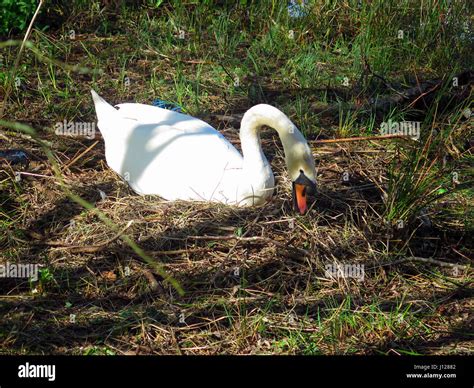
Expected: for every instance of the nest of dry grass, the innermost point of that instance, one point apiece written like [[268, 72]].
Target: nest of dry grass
[[252, 277]]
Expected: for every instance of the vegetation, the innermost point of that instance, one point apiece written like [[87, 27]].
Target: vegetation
[[255, 281], [15, 14]]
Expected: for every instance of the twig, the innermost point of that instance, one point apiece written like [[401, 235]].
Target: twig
[[385, 82], [424, 94], [177, 251], [424, 260], [36, 175], [81, 155], [437, 262], [365, 138]]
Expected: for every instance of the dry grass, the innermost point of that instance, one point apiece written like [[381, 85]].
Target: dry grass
[[254, 279]]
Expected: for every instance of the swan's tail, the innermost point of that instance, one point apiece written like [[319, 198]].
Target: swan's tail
[[104, 111], [101, 106]]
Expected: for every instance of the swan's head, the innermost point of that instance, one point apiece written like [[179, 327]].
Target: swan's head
[[302, 171]]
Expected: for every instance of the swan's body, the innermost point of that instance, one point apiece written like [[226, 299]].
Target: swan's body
[[176, 156]]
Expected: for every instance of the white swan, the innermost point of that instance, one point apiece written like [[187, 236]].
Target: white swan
[[175, 156]]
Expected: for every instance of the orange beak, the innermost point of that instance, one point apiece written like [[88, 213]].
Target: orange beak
[[300, 196]]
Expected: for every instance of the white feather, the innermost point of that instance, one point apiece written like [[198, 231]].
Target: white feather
[[176, 156]]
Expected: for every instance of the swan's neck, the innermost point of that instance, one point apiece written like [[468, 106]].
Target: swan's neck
[[252, 122]]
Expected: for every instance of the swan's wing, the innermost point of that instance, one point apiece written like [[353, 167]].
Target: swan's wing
[[148, 114], [176, 164], [115, 121], [162, 152]]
